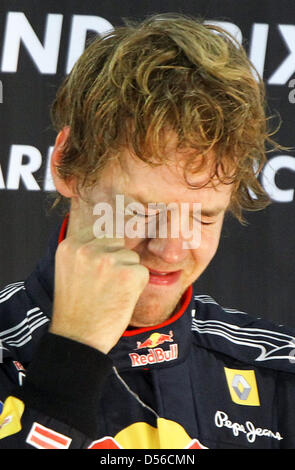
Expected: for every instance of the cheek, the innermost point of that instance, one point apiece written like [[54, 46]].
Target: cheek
[[209, 244]]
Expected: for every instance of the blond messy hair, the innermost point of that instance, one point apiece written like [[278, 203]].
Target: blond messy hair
[[168, 72]]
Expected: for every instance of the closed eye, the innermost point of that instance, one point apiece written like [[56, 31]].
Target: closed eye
[[143, 215], [202, 222]]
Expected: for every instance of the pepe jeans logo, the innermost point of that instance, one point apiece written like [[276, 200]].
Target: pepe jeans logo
[[155, 353], [221, 420]]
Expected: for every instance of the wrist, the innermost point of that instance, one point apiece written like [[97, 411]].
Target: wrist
[[64, 381]]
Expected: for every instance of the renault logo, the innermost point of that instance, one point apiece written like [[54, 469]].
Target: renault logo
[[242, 386]]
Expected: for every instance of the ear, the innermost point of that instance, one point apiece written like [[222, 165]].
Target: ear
[[65, 187]]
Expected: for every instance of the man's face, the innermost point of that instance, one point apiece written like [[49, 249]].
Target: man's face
[[173, 267]]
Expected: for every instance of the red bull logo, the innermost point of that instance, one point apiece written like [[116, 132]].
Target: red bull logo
[[155, 354], [110, 443], [167, 434], [155, 339]]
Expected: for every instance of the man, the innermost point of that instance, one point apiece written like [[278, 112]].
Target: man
[[118, 348]]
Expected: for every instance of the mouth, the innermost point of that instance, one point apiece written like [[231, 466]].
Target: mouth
[[163, 278]]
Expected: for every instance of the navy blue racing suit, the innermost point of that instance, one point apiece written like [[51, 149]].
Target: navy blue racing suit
[[209, 377]]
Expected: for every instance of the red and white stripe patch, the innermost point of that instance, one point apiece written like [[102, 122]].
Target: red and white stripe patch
[[45, 438]]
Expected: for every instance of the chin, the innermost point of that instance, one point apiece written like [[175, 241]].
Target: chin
[[150, 311], [148, 315]]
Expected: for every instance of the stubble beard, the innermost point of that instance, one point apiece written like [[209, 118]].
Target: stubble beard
[[150, 310]]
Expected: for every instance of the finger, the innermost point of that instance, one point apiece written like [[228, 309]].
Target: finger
[[142, 274], [126, 257], [87, 235]]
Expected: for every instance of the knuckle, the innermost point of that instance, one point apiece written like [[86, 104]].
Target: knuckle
[[84, 251], [107, 259], [126, 273], [64, 248]]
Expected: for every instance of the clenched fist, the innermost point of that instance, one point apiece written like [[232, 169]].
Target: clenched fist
[[97, 285]]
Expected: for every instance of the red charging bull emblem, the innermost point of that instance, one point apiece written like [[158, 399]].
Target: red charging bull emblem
[[155, 354], [155, 339]]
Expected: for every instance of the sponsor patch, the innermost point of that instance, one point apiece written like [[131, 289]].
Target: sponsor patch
[[242, 386], [45, 438], [10, 418], [250, 431], [155, 339], [154, 356], [167, 435], [155, 353]]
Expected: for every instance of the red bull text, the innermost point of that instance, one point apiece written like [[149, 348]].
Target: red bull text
[[155, 354]]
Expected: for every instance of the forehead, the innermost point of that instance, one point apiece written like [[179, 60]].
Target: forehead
[[164, 183]]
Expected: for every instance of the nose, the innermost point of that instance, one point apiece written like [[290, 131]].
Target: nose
[[170, 250]]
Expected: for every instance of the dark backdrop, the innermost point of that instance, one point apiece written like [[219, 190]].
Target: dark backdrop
[[253, 270]]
